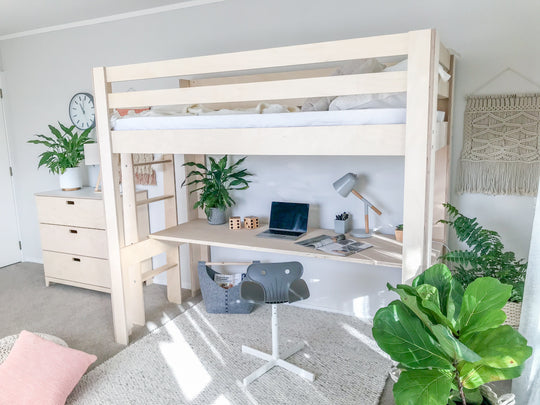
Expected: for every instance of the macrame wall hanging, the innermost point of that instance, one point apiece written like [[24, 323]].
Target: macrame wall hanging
[[501, 151]]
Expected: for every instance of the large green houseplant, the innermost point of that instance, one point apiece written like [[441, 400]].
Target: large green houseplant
[[449, 341], [215, 181], [485, 256], [65, 151]]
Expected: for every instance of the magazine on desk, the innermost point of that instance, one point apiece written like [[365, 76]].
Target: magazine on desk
[[335, 245]]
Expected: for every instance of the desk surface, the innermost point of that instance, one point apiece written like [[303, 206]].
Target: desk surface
[[385, 251]]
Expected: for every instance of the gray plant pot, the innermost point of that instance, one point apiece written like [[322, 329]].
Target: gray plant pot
[[216, 216]]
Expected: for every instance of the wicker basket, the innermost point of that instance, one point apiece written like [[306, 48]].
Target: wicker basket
[[487, 392], [513, 313]]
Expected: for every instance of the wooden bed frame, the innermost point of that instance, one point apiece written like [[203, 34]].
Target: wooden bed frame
[[423, 142]]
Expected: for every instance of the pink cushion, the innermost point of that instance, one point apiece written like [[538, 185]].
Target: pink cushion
[[38, 371]]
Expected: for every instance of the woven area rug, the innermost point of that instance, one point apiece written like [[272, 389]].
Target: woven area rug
[[196, 359]]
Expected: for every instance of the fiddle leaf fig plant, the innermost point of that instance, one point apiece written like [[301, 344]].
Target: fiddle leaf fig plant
[[449, 341], [215, 181], [65, 149]]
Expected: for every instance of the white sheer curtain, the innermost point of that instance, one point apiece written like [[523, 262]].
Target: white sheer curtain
[[527, 387]]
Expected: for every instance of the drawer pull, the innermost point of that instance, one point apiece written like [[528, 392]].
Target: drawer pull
[[76, 259], [69, 202], [72, 231]]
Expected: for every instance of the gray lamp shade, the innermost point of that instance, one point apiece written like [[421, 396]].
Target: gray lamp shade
[[345, 184]]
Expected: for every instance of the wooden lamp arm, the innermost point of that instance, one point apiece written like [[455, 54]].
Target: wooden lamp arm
[[356, 193]]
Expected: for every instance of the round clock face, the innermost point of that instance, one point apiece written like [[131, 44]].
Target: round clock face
[[81, 110]]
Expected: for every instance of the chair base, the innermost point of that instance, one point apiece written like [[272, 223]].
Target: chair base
[[274, 361]]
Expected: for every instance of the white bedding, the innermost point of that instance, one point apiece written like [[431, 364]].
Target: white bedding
[[300, 119]]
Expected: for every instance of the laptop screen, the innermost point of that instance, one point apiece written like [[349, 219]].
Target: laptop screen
[[289, 216]]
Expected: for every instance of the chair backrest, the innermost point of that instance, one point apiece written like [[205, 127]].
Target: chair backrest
[[274, 283]]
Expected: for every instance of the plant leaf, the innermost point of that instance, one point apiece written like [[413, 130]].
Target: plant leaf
[[501, 347], [416, 387], [473, 375], [453, 347], [406, 339], [482, 304]]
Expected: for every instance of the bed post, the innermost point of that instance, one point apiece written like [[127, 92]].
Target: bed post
[[196, 252], [422, 89], [111, 200]]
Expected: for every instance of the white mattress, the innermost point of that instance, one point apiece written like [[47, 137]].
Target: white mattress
[[299, 119]]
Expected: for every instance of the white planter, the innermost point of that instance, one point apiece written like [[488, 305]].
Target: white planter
[[72, 179]]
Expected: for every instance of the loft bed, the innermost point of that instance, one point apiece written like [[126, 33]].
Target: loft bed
[[245, 79]]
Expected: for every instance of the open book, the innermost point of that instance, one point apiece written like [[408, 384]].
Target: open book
[[335, 245]]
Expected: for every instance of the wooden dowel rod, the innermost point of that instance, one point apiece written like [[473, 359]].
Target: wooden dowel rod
[[153, 162], [366, 218], [356, 193], [152, 273], [155, 199]]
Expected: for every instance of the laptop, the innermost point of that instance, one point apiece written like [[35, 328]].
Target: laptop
[[287, 220]]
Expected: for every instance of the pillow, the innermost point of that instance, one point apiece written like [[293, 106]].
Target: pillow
[[350, 68], [38, 371], [382, 100]]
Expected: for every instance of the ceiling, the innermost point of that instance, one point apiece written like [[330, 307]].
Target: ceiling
[[19, 16]]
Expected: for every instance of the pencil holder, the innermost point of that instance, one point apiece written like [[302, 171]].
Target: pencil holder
[[342, 226], [251, 222], [235, 223]]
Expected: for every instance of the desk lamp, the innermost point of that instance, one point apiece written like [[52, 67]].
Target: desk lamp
[[344, 186]]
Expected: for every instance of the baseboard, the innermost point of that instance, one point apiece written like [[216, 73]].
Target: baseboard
[[33, 260]]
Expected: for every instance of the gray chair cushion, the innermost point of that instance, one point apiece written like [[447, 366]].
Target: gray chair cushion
[[274, 283]]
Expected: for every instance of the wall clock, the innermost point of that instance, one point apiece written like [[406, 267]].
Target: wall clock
[[81, 110]]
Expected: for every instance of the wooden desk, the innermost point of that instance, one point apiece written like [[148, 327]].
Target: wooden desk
[[385, 251]]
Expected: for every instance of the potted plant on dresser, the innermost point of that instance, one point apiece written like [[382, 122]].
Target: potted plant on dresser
[[485, 257], [214, 182], [65, 151], [449, 341]]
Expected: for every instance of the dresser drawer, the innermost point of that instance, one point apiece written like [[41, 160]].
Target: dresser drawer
[[78, 269], [74, 240], [84, 212]]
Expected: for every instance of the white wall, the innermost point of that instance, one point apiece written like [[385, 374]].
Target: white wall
[[44, 71]]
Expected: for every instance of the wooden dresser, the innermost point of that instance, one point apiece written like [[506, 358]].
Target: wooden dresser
[[73, 237]]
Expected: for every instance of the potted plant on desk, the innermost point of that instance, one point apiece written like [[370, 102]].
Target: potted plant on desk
[[215, 181], [485, 257], [65, 153], [449, 341]]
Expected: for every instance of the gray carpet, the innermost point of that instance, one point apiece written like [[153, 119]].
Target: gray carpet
[[197, 359], [82, 318]]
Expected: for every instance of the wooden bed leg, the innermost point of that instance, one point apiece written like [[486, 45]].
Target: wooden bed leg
[[422, 90], [174, 279]]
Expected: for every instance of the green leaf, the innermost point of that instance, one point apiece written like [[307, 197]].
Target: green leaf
[[423, 387], [501, 347], [482, 304], [453, 347], [473, 375], [406, 339]]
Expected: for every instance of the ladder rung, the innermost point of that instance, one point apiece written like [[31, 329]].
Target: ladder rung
[[153, 162], [155, 199], [152, 273]]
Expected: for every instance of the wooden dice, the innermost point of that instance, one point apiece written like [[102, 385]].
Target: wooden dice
[[235, 223], [251, 222]]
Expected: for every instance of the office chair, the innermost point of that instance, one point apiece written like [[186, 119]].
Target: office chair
[[275, 283]]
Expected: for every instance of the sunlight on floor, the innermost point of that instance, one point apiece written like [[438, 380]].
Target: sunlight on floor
[[190, 374], [205, 338], [209, 325], [367, 340], [221, 401]]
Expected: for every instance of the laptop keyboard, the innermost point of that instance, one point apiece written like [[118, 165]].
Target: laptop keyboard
[[280, 232]]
